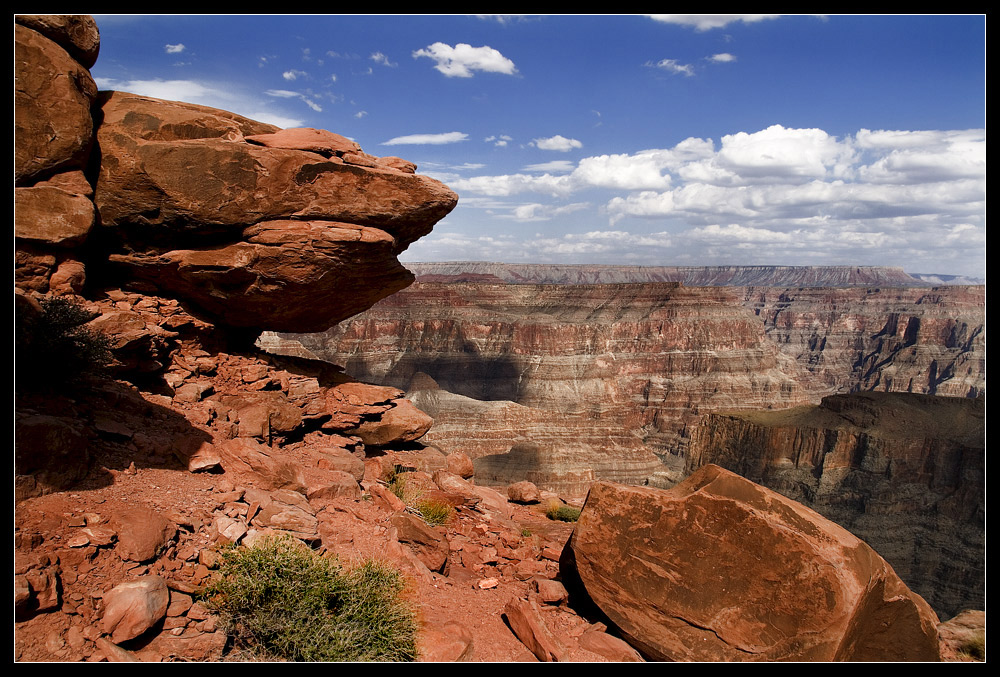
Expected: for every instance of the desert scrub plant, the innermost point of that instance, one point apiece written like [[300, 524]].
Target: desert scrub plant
[[55, 347], [397, 481], [435, 513], [563, 513], [281, 600], [974, 647]]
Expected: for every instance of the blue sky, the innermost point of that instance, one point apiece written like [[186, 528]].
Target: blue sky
[[654, 140]]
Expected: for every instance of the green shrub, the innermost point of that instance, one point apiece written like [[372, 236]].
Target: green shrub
[[434, 512], [55, 348], [395, 480], [281, 601], [563, 513], [397, 485]]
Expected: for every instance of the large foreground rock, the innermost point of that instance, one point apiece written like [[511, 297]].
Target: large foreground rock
[[719, 568], [53, 128]]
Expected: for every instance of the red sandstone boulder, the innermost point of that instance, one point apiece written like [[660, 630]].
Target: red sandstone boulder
[[285, 510], [247, 457], [143, 534], [449, 643], [595, 640], [68, 278], [523, 492], [131, 609], [525, 619], [719, 568], [51, 216], [429, 544], [76, 33], [403, 423], [460, 464], [962, 636], [53, 128]]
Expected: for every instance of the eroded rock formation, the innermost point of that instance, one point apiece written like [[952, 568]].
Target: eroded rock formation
[[252, 226], [281, 233]]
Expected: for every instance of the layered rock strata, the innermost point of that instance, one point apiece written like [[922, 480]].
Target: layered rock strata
[[919, 340], [597, 369], [782, 582], [511, 442], [904, 472], [588, 363], [691, 276]]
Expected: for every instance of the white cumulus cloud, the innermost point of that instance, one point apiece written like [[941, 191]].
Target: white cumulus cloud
[[552, 166], [427, 139], [461, 60], [380, 58], [558, 142], [499, 141], [672, 66], [706, 22], [174, 49]]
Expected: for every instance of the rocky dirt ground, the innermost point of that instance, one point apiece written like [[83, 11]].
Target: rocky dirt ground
[[68, 629], [143, 483]]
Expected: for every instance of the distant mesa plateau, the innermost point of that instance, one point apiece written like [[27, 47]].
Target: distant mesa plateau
[[223, 373]]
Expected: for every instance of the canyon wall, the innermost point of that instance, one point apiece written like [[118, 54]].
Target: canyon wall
[[904, 472], [691, 276], [922, 340], [645, 362], [597, 367]]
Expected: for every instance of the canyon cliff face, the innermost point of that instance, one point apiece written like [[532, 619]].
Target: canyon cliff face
[[593, 368], [915, 340], [904, 472], [689, 276], [642, 363]]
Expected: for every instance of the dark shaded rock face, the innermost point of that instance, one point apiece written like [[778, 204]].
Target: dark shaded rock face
[[904, 472], [719, 568]]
